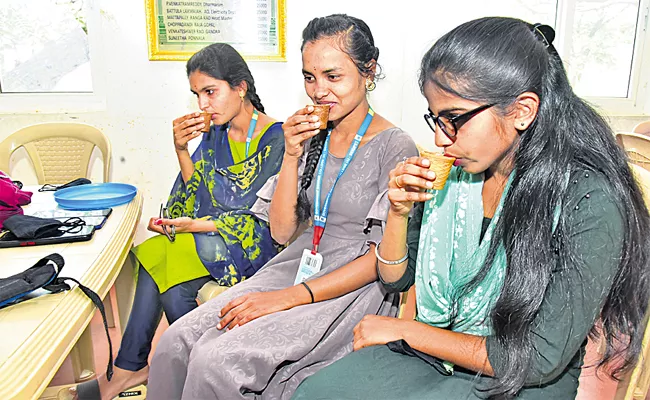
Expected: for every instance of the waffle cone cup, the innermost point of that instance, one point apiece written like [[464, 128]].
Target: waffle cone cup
[[323, 112], [207, 119], [441, 165]]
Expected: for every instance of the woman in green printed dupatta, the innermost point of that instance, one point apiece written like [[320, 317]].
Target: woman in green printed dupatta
[[207, 229], [539, 231]]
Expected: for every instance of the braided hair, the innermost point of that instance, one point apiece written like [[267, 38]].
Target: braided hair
[[221, 61], [357, 42]]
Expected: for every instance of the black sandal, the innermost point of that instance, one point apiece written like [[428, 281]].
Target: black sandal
[[89, 390]]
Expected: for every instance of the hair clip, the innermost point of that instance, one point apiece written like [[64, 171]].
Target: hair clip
[[545, 33]]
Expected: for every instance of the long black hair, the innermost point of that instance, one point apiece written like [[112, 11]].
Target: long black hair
[[355, 39], [494, 60], [221, 61]]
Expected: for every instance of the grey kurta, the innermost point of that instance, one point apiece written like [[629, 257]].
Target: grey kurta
[[268, 357]]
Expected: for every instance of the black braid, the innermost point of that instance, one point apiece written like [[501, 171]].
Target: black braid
[[254, 97], [303, 207]]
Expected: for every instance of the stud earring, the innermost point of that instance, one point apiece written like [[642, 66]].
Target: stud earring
[[522, 124], [241, 96]]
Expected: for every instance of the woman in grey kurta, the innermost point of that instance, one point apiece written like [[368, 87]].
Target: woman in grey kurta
[[539, 232], [269, 356]]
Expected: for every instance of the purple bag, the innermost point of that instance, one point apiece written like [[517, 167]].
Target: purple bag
[[11, 198]]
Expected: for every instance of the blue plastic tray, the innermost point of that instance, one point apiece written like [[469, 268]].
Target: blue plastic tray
[[95, 196]]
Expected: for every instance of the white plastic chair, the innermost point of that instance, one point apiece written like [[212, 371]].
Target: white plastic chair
[[59, 151], [637, 147]]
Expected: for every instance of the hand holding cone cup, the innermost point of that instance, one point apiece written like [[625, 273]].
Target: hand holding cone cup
[[413, 178], [207, 119], [322, 112], [440, 164]]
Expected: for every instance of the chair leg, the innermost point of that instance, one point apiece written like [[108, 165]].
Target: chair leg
[[123, 292], [108, 308], [82, 357]]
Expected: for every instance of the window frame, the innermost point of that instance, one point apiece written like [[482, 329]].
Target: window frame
[[637, 101], [68, 102]]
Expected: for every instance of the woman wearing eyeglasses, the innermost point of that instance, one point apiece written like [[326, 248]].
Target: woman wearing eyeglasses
[[207, 231], [540, 231]]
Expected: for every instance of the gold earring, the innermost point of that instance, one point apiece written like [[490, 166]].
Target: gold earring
[[370, 85], [241, 96]]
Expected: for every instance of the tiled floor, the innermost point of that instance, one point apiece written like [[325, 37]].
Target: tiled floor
[[592, 387]]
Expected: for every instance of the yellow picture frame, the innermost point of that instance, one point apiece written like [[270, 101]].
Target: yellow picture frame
[[176, 29]]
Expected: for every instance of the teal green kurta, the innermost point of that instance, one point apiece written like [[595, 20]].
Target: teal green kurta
[[593, 228]]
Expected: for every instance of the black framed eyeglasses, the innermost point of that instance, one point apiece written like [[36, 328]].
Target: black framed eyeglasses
[[450, 126], [171, 233]]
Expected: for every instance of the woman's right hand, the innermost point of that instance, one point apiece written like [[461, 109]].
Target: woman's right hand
[[298, 128], [187, 128], [408, 183]]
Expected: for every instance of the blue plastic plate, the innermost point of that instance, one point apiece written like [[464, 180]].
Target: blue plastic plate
[[95, 196]]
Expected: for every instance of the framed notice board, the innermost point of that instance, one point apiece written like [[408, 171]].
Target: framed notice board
[[176, 29]]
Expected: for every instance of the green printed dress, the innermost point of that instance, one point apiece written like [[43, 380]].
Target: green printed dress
[[222, 189]]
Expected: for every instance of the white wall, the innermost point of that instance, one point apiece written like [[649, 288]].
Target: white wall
[[143, 97]]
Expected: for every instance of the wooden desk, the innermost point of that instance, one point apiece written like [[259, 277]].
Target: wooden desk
[[36, 335]]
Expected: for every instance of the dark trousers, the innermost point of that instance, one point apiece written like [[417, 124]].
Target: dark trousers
[[148, 306]]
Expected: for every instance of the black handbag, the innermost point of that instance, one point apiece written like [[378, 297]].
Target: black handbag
[[29, 227], [45, 274]]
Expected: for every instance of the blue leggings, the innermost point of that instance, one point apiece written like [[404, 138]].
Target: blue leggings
[[146, 313]]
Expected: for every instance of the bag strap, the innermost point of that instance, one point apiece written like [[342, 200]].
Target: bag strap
[[48, 187], [58, 284], [100, 306]]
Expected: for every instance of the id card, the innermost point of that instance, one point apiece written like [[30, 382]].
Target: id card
[[309, 265]]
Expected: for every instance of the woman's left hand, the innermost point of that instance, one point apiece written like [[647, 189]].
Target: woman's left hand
[[252, 306], [376, 330], [182, 224]]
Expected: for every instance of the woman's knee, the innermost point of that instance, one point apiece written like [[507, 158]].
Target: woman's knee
[[312, 387], [213, 353], [171, 337], [178, 301]]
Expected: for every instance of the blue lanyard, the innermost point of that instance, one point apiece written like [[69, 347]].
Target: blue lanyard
[[320, 217], [251, 130]]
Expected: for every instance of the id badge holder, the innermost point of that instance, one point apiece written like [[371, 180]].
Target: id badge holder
[[310, 264]]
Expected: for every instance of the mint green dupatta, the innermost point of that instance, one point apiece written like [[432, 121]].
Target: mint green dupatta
[[450, 255]]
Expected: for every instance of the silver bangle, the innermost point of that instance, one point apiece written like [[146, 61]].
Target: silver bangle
[[401, 260]]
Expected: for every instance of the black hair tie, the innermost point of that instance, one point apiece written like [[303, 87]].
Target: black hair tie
[[545, 33]]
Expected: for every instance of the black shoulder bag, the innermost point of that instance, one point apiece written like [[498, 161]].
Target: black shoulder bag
[[45, 274]]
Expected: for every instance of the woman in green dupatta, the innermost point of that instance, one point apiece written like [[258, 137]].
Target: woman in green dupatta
[[540, 231], [207, 230]]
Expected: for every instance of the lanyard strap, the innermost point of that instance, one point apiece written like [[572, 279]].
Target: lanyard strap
[[320, 216], [251, 130]]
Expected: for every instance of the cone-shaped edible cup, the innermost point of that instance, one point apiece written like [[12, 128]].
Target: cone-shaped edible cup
[[323, 113], [207, 119], [441, 165]]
